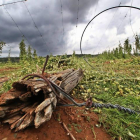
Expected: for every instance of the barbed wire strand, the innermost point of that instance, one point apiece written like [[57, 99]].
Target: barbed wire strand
[[122, 22], [12, 2], [76, 22], [9, 46], [35, 25], [95, 11], [62, 17], [120, 42], [93, 19], [16, 25], [108, 25], [125, 17], [77, 13], [63, 30], [131, 21]]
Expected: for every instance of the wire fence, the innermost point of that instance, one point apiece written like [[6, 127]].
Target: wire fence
[[40, 33]]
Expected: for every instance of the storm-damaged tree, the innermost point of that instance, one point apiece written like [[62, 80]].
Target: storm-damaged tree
[[29, 53], [127, 48], [120, 55], [137, 45], [1, 46], [23, 53], [9, 56], [34, 54], [116, 51]]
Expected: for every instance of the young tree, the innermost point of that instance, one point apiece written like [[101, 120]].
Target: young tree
[[29, 53], [1, 45], [127, 48], [120, 53], [116, 52], [22, 48], [137, 45], [34, 54], [73, 54], [9, 56]]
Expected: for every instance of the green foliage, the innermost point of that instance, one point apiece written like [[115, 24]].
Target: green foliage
[[73, 54], [137, 45], [29, 53], [34, 55], [127, 48], [116, 82], [113, 81], [1, 45], [9, 59], [23, 53], [120, 52], [26, 56]]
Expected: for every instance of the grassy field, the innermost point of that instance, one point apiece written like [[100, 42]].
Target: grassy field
[[107, 81]]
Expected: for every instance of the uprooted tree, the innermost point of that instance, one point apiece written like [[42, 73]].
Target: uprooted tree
[[32, 100]]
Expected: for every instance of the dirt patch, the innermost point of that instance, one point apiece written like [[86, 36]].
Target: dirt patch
[[8, 69], [83, 124], [3, 79]]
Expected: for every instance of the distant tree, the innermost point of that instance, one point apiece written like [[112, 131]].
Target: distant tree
[[1, 45], [65, 55], [116, 52], [134, 51], [120, 53], [137, 45], [34, 54], [127, 48], [22, 47], [29, 53], [73, 54], [9, 56]]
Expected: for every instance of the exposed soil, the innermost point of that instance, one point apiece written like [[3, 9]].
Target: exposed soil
[[78, 120], [7, 69], [2, 80]]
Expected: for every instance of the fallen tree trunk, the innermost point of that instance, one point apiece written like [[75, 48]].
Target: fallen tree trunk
[[32, 101]]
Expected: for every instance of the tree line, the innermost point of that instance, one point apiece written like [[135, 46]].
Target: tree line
[[26, 54], [124, 51]]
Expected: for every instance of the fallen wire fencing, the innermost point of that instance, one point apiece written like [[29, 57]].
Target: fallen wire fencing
[[33, 99]]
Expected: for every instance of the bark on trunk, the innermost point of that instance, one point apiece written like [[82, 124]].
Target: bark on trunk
[[31, 102]]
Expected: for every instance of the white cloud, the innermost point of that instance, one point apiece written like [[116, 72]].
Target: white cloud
[[103, 33]]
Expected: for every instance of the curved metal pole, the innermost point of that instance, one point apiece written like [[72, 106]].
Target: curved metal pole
[[98, 15]]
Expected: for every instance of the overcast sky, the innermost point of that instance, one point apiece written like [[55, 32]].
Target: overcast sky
[[58, 30]]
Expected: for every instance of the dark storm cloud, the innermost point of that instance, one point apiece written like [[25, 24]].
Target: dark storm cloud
[[71, 8], [48, 18]]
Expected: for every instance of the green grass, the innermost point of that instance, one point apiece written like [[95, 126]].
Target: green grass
[[114, 81]]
